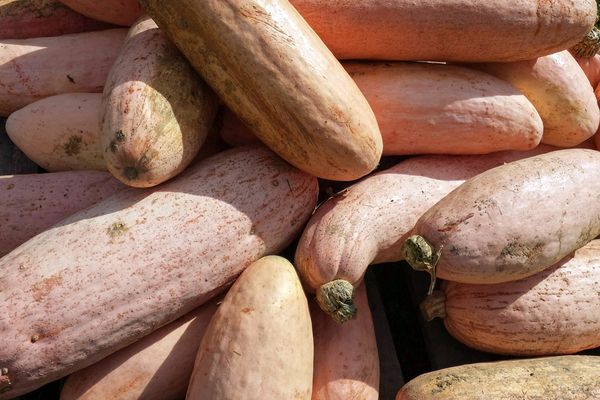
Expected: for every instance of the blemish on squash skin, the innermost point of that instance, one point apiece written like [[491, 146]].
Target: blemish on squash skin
[[73, 145], [120, 136], [118, 228], [453, 225]]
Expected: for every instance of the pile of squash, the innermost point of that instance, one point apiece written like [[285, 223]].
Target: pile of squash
[[188, 144]]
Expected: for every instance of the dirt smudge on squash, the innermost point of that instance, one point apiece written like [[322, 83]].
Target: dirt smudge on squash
[[43, 289], [453, 225], [73, 145]]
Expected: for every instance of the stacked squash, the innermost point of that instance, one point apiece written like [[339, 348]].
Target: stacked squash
[[484, 122]]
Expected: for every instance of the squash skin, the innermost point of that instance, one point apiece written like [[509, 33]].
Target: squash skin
[[491, 227], [560, 92], [553, 312], [22, 19], [76, 63], [448, 30], [346, 358], [271, 69], [368, 222], [156, 110], [118, 12], [259, 344], [156, 367], [546, 378], [60, 133], [192, 236], [32, 203], [590, 67]]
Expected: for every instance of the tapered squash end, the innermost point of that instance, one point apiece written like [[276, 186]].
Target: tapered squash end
[[336, 298], [434, 306]]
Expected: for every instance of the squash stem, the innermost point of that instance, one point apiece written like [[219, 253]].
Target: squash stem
[[589, 46], [421, 256], [434, 306], [336, 298]]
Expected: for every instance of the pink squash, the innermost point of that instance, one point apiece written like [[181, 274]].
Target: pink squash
[[346, 359], [22, 19], [60, 133], [259, 344], [156, 367], [32, 203], [552, 312], [156, 111], [163, 251], [35, 68]]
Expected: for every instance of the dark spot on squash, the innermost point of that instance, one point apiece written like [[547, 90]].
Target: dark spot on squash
[[73, 145], [70, 79], [120, 135], [114, 146]]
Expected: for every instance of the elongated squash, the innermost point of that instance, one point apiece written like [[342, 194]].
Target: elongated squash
[[369, 221], [22, 19], [427, 108], [346, 359], [448, 30], [553, 312], [272, 70], [156, 110], [60, 133], [119, 12], [560, 91], [548, 378], [156, 367], [259, 344], [32, 203], [32, 69], [491, 229], [113, 273]]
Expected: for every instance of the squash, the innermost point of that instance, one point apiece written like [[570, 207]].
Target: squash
[[259, 343], [346, 359], [156, 367], [491, 229], [156, 110], [448, 30], [35, 68], [164, 251], [548, 378], [60, 133], [22, 19], [560, 91], [272, 70], [428, 108], [368, 222], [552, 312], [119, 12], [32, 203]]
